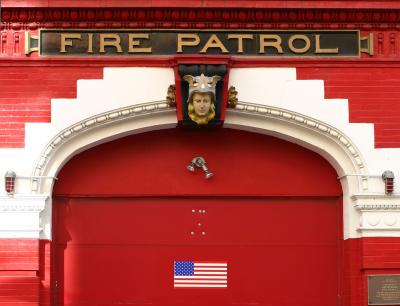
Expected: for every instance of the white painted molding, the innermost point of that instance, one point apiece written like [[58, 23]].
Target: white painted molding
[[20, 215], [253, 110], [374, 201], [311, 133], [89, 124], [380, 214], [328, 141], [281, 106], [23, 202], [91, 132], [328, 131]]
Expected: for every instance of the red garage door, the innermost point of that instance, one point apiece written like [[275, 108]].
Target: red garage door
[[133, 226]]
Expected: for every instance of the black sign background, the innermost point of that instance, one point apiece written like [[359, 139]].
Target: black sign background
[[164, 42]]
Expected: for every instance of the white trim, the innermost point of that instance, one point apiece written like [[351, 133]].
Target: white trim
[[126, 113], [286, 108], [331, 143], [20, 229], [379, 229], [374, 201], [23, 203], [379, 214], [252, 111], [20, 215], [310, 123]]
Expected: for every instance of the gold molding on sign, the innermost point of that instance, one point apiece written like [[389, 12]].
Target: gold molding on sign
[[213, 42], [367, 44], [28, 47]]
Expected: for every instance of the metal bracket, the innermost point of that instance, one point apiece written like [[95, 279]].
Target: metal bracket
[[31, 43], [367, 44]]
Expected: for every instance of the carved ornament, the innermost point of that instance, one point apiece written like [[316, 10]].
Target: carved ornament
[[180, 18], [171, 96], [232, 97]]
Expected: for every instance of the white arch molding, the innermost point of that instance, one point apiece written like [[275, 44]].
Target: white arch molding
[[313, 134]]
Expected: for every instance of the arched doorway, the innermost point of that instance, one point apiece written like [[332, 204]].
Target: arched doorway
[[125, 211]]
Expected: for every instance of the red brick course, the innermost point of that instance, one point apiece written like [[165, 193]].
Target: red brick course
[[373, 95], [25, 94]]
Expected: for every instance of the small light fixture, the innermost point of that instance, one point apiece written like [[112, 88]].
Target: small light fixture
[[190, 166], [9, 182], [200, 163], [388, 177]]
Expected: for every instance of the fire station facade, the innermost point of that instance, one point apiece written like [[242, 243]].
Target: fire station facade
[[200, 153]]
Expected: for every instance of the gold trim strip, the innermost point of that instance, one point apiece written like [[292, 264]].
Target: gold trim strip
[[173, 30], [28, 48]]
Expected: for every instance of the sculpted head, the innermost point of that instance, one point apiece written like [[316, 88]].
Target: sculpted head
[[201, 108], [201, 102]]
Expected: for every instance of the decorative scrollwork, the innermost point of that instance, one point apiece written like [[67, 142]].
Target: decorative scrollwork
[[232, 97], [171, 96], [257, 18]]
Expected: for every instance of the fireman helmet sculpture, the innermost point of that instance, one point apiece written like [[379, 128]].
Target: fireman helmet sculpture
[[201, 102]]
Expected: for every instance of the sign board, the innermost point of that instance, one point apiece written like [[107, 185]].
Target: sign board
[[384, 290], [266, 43]]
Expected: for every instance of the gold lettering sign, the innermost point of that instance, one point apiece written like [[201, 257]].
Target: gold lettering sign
[[187, 40], [214, 42], [66, 40], [270, 40], [240, 38], [133, 41], [299, 50], [266, 43], [110, 40]]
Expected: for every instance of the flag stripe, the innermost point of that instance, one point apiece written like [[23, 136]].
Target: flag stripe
[[200, 286], [210, 269], [210, 273], [202, 264], [199, 276], [200, 281]]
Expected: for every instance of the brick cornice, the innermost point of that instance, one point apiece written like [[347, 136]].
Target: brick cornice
[[308, 4], [200, 17]]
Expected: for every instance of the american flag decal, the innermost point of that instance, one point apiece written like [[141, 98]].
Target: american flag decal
[[196, 274]]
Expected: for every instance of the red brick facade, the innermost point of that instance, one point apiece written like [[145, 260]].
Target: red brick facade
[[25, 269], [28, 83]]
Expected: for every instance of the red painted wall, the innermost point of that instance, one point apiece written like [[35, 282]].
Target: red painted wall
[[122, 250], [373, 94], [162, 156], [367, 256], [28, 281], [25, 94], [26, 88], [19, 264], [119, 227]]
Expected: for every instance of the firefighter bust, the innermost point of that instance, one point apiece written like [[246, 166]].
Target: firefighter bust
[[201, 102]]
